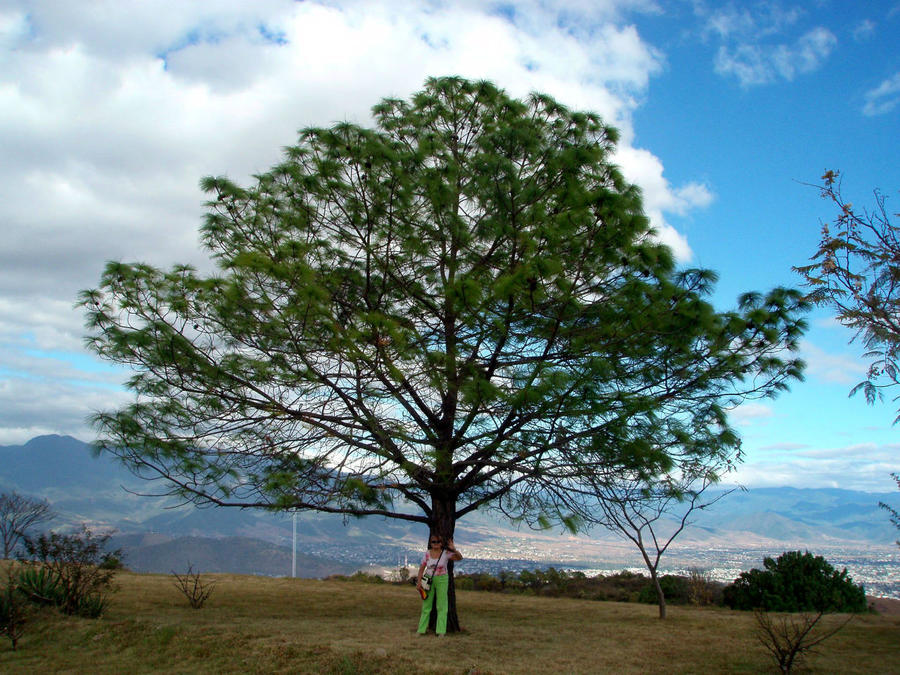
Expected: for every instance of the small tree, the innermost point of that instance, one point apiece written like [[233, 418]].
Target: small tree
[[796, 582], [18, 514], [79, 568], [790, 638], [652, 511]]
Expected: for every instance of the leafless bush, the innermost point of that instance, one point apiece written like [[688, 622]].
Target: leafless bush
[[701, 588], [791, 637], [195, 589]]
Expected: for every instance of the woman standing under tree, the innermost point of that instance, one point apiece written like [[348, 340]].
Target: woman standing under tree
[[434, 567]]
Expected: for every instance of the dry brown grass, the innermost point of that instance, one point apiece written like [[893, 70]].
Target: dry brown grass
[[262, 625]]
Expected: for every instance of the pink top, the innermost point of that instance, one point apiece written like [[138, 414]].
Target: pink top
[[435, 566]]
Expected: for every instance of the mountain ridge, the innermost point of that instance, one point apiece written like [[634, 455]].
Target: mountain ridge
[[99, 491]]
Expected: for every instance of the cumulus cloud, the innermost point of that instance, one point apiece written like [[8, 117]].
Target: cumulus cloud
[[883, 98], [111, 113], [660, 197]]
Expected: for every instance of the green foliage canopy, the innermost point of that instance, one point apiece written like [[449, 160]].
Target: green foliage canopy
[[447, 308], [796, 582]]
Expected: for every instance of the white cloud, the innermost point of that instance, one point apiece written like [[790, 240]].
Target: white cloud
[[869, 451], [827, 367], [111, 112], [750, 414], [863, 30], [864, 467], [781, 447], [753, 41], [756, 63], [761, 19], [645, 169], [806, 55], [31, 407], [883, 98]]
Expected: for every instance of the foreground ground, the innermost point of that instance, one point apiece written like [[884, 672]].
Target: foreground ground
[[263, 625]]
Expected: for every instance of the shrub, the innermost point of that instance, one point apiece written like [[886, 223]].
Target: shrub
[[796, 582], [789, 638], [73, 571], [676, 589], [479, 582], [358, 576], [13, 612], [703, 590], [195, 589], [464, 583], [39, 585]]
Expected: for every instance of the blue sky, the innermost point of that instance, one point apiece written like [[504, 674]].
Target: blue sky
[[111, 112]]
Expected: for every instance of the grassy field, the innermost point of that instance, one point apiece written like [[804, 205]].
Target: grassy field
[[263, 625]]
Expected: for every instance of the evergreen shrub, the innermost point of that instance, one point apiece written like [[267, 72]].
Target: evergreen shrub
[[796, 582]]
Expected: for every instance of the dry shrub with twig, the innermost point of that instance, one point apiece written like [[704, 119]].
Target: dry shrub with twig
[[701, 588], [195, 589], [790, 637]]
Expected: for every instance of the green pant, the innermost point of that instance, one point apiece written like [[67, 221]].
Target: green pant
[[439, 585]]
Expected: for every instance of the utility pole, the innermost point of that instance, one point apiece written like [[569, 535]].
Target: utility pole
[[294, 550]]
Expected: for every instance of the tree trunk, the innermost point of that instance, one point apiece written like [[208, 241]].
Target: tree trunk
[[443, 523], [659, 594]]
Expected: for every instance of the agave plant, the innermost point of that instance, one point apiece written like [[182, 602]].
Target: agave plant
[[40, 585]]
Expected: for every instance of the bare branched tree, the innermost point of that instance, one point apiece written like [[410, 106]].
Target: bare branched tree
[[18, 514], [651, 511]]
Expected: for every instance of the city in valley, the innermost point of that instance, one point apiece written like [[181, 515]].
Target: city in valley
[[875, 566]]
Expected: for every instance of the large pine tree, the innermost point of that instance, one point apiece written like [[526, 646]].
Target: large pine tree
[[429, 316]]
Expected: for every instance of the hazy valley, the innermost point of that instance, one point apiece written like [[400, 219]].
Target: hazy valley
[[845, 526]]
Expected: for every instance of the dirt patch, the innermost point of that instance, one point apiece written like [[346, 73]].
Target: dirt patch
[[886, 606]]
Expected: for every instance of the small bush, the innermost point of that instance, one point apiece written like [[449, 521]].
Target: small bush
[[622, 586], [193, 587], [464, 584], [13, 610], [71, 571], [702, 589], [358, 576], [676, 589], [789, 638], [366, 578], [796, 582]]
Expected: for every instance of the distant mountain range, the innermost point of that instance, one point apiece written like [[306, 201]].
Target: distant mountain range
[[158, 536]]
